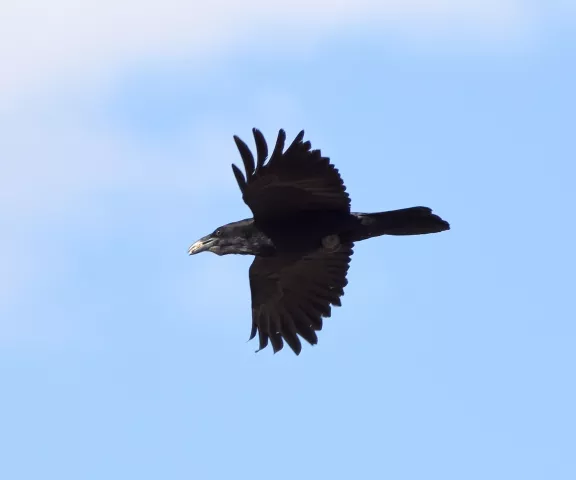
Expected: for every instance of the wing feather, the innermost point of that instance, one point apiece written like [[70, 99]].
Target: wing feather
[[276, 341], [279, 147], [261, 148], [246, 156], [289, 333], [240, 178], [291, 294], [291, 181]]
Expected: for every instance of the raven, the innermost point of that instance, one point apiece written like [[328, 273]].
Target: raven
[[301, 235]]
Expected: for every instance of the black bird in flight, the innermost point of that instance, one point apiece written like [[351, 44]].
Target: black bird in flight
[[302, 236]]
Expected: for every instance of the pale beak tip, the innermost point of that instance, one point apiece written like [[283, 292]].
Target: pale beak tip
[[197, 247]]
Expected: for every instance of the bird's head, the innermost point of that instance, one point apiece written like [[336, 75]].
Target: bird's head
[[238, 237]]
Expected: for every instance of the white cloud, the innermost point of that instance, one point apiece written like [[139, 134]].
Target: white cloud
[[52, 162], [45, 42], [55, 155], [58, 158], [51, 159], [55, 164]]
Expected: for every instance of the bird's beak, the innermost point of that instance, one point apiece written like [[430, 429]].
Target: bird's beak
[[201, 245]]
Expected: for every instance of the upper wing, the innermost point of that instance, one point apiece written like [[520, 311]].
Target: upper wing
[[299, 179], [291, 294]]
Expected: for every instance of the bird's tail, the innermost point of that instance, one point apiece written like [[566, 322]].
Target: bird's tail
[[407, 221]]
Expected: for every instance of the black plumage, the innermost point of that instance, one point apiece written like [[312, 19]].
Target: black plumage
[[302, 235]]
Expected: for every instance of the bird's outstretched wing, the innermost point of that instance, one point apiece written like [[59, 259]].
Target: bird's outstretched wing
[[291, 294], [296, 180]]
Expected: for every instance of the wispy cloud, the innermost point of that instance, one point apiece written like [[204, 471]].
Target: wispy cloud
[[56, 163], [53, 157], [59, 162], [61, 41], [49, 160], [58, 153]]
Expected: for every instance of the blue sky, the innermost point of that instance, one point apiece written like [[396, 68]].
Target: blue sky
[[453, 354]]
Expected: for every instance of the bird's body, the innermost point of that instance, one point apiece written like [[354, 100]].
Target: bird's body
[[302, 236]]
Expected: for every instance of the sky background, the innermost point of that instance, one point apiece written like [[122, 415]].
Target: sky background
[[453, 356]]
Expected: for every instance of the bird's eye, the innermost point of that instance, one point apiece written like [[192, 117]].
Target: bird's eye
[[218, 233]]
